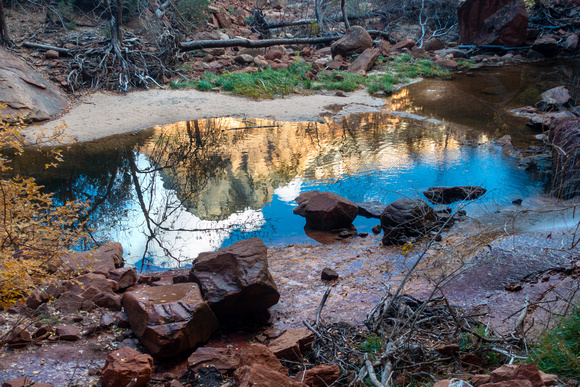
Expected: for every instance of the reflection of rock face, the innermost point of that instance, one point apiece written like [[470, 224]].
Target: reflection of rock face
[[218, 167]]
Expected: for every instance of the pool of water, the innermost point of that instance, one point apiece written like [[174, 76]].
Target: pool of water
[[171, 192]]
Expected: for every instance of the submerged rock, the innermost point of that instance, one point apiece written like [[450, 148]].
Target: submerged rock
[[447, 195], [325, 210], [235, 280], [405, 218], [372, 209]]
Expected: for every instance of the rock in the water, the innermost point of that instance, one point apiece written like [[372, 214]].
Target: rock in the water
[[541, 163], [235, 280], [325, 210], [496, 22], [372, 209], [328, 274], [25, 92], [547, 46], [365, 61], [406, 218], [127, 367], [355, 41], [224, 359], [169, 319], [446, 195], [320, 376], [565, 135]]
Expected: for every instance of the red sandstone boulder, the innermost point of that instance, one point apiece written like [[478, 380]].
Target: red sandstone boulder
[[560, 95], [325, 210], [169, 319], [235, 280], [434, 44], [125, 365], [292, 343], [447, 195], [260, 354], [405, 43], [501, 22], [406, 218], [512, 372], [321, 376], [355, 41]]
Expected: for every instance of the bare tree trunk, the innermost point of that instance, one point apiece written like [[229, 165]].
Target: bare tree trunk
[[115, 19], [343, 9], [4, 37], [318, 14]]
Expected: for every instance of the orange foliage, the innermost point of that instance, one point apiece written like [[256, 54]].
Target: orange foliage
[[34, 233]]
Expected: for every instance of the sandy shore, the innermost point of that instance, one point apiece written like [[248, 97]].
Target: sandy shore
[[103, 114]]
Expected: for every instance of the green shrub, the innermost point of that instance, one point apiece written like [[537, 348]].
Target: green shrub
[[558, 349]]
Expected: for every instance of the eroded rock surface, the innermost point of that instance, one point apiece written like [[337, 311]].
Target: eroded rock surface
[[25, 92]]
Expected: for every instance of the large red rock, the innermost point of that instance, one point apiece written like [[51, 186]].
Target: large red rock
[[169, 319], [501, 22], [565, 135], [510, 372], [320, 376], [355, 41], [125, 365], [406, 218], [25, 92], [235, 280], [447, 195], [325, 210]]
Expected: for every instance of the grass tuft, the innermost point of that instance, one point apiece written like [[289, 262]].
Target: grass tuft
[[558, 349]]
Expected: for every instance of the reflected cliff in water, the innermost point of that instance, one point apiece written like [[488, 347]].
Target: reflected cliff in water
[[168, 193]]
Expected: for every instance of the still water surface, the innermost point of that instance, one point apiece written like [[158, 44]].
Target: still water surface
[[171, 192]]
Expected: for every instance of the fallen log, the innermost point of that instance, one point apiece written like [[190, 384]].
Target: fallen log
[[241, 42], [199, 44], [60, 50]]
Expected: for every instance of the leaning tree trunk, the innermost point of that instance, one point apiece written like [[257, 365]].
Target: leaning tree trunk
[[4, 37]]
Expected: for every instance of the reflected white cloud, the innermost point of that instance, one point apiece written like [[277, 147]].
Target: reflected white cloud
[[290, 191]]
